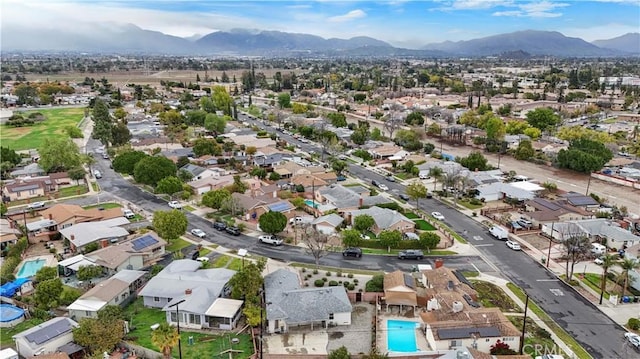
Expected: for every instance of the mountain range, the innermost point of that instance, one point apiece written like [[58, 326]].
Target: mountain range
[[111, 38]]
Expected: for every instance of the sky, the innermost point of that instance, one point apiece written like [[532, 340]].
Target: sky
[[402, 23]]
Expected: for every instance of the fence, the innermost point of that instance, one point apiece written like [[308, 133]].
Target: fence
[[369, 297], [616, 180], [141, 352]]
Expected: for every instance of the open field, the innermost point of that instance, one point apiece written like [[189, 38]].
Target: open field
[[24, 138]]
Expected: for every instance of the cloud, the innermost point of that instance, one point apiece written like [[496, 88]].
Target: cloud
[[541, 9], [351, 15], [473, 4]]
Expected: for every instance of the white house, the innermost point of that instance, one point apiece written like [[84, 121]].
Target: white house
[[46, 338], [327, 224]]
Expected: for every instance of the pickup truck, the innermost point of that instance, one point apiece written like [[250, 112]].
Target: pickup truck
[[411, 254]]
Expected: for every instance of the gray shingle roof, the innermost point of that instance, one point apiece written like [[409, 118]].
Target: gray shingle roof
[[383, 217], [332, 219]]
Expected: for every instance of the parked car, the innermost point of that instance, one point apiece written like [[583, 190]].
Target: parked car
[[128, 214], [175, 205], [525, 223], [383, 187], [235, 231], [513, 245], [35, 205], [391, 179], [499, 233], [633, 339], [352, 252], [437, 215], [97, 174], [404, 197], [269, 239], [341, 178], [221, 226], [515, 225], [599, 261], [198, 233], [375, 183], [411, 254]]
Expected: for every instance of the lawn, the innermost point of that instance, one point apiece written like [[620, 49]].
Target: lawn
[[73, 191], [534, 335], [411, 215], [177, 245], [384, 252], [24, 138], [96, 187], [189, 208], [106, 205], [205, 345], [490, 295], [221, 262], [593, 280], [424, 225], [7, 333], [469, 205]]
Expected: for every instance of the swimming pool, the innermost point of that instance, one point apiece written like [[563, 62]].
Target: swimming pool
[[10, 315], [311, 203], [30, 268], [401, 336]]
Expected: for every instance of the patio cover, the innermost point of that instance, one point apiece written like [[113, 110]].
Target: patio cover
[[224, 308]]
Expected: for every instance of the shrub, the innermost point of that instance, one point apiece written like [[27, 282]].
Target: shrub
[[41, 314], [355, 281], [351, 287], [304, 270], [339, 274], [319, 283], [375, 284], [333, 283], [328, 274], [633, 323], [324, 279], [350, 275], [315, 271], [346, 284]]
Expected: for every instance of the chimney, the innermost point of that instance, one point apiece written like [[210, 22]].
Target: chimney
[[187, 291], [439, 263], [73, 237], [360, 202], [104, 243], [50, 216]]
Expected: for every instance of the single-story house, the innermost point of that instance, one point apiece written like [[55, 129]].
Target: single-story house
[[541, 211], [599, 230], [9, 234], [290, 305], [580, 200], [385, 219], [133, 254], [67, 215], [30, 170], [199, 288], [118, 290], [207, 184], [400, 289], [198, 173], [46, 338], [41, 230], [516, 190], [345, 199], [327, 224], [106, 232]]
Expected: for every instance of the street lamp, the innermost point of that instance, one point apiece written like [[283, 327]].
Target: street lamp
[[178, 321], [242, 253]]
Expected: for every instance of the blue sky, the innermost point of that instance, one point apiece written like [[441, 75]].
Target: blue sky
[[401, 23]]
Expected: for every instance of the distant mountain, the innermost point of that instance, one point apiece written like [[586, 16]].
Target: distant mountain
[[629, 43], [533, 42]]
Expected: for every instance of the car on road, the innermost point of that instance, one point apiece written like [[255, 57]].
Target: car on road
[[352, 252], [341, 178], [269, 239], [175, 205], [97, 174], [513, 245], [383, 187], [105, 156], [35, 205], [221, 226], [411, 254], [633, 339], [198, 233], [437, 215], [202, 259], [235, 231], [391, 178], [404, 197]]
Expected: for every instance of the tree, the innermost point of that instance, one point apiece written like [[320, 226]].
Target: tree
[[58, 153], [102, 128], [429, 240], [48, 293], [284, 100], [215, 123], [99, 335], [475, 161], [376, 284], [339, 166], [576, 246], [126, 161], [247, 282], [533, 133], [169, 185], [390, 239], [350, 237], [165, 337], [363, 222], [543, 119], [584, 155], [3, 209], [316, 242], [76, 174], [149, 170], [340, 353], [9, 155], [170, 225], [120, 134], [254, 314], [222, 100], [274, 176], [436, 173], [272, 222], [628, 264], [215, 198], [204, 146], [232, 206], [88, 272], [608, 261], [501, 348], [524, 151], [337, 119], [516, 127], [46, 273], [414, 119], [417, 190], [495, 129]]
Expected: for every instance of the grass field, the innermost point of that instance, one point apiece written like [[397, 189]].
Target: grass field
[[424, 225], [24, 138]]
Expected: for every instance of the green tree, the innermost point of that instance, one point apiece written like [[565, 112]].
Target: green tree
[[98, 335], [205, 146], [170, 225], [475, 161], [543, 119], [627, 265], [254, 314], [272, 222], [417, 190], [516, 127], [215, 123], [195, 117], [436, 173], [149, 170], [524, 151], [46, 273], [532, 132], [363, 222], [9, 155], [111, 312], [337, 119], [340, 353], [165, 337], [350, 237], [222, 100], [495, 128], [58, 153], [102, 127], [88, 272], [247, 282], [119, 113], [3, 209], [390, 239], [584, 156], [169, 185], [284, 100], [120, 134], [126, 161], [274, 176], [339, 166], [258, 172], [608, 261], [429, 240], [375, 284], [215, 199], [76, 174], [415, 119], [48, 293]]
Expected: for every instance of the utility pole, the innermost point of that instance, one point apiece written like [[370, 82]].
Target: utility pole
[[588, 185], [550, 241], [178, 325], [524, 323]]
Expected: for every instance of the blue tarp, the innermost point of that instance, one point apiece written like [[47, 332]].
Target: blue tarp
[[9, 289]]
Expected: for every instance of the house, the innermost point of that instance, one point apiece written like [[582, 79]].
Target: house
[[327, 224], [105, 232], [198, 173], [346, 199], [400, 289], [47, 338], [30, 170], [26, 189], [498, 191], [385, 219], [580, 200], [9, 234], [120, 290], [254, 207], [132, 254], [601, 230], [386, 151], [291, 305], [66, 215], [207, 184], [454, 319], [308, 181], [41, 230], [200, 289], [61, 179], [513, 141], [269, 161], [541, 211]]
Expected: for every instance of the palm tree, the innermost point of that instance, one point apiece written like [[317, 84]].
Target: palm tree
[[436, 173], [627, 264], [165, 337], [608, 261]]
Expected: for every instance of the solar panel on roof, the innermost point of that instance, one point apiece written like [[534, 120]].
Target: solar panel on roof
[[49, 332], [143, 242], [459, 333], [408, 280], [279, 207], [549, 205]]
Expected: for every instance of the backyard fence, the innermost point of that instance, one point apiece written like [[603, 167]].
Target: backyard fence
[[141, 352]]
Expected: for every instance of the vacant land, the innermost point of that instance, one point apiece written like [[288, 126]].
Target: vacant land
[[28, 137]]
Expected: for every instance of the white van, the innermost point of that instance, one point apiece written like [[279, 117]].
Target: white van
[[499, 233], [598, 249], [410, 236]]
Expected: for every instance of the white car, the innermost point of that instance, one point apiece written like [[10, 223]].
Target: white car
[[437, 215], [513, 245], [35, 205], [202, 259], [127, 213], [383, 187], [198, 233], [175, 205], [599, 261], [269, 239], [633, 338]]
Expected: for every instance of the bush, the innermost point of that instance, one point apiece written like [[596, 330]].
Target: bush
[[339, 274], [319, 283], [633, 323], [351, 287], [324, 279], [328, 274], [350, 275], [375, 284], [346, 284], [355, 281], [41, 314], [304, 270], [315, 271], [333, 283]]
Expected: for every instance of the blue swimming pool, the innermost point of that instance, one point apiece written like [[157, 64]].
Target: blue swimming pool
[[311, 203], [401, 336], [10, 315], [30, 268]]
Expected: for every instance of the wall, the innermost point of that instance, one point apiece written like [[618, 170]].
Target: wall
[[368, 297], [341, 318], [616, 180], [141, 352], [149, 302]]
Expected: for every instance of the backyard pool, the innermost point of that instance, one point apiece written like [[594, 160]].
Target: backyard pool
[[311, 203], [401, 336], [10, 315], [30, 268]]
